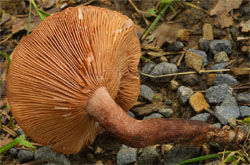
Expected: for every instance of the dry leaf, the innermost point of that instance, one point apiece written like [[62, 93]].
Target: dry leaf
[[240, 71], [225, 6], [245, 26], [225, 20], [198, 102]]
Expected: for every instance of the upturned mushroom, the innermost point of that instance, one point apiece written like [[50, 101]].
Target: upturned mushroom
[[77, 72]]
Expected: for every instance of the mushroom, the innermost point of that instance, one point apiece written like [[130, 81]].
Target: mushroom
[[76, 73]]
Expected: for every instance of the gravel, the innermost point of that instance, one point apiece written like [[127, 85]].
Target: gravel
[[202, 53], [221, 57], [201, 117], [149, 155], [13, 152], [204, 44], [243, 98], [126, 155], [184, 93], [46, 154], [220, 45], [153, 115], [218, 125], [245, 111], [148, 67], [19, 131], [176, 46], [162, 69], [146, 93], [25, 156], [225, 79], [166, 112], [228, 109], [219, 66], [217, 94]]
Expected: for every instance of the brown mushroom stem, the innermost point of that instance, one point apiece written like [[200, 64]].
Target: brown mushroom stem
[[141, 133]]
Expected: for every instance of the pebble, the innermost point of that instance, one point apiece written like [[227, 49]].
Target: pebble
[[168, 102], [198, 102], [204, 44], [25, 156], [209, 78], [216, 46], [45, 153], [174, 85], [219, 66], [180, 153], [190, 79], [245, 111], [217, 94], [227, 110], [202, 53], [243, 98], [126, 155], [225, 79], [99, 150], [176, 46], [184, 93], [153, 115], [147, 109], [193, 60], [147, 68], [201, 117], [221, 57], [218, 125], [19, 131], [149, 155], [146, 93], [13, 152], [163, 69], [166, 112]]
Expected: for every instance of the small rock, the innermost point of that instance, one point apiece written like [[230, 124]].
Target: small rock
[[174, 85], [46, 154], [198, 102], [131, 114], [190, 79], [126, 155], [219, 66], [202, 53], [193, 60], [228, 109], [163, 69], [149, 155], [218, 125], [184, 93], [166, 112], [147, 109], [168, 102], [243, 98], [201, 117], [225, 79], [152, 116], [245, 111], [221, 57], [13, 152], [99, 150], [208, 32], [25, 156], [210, 78], [217, 94], [19, 131], [220, 45], [146, 93], [179, 153], [204, 44], [176, 46], [163, 59], [148, 67]]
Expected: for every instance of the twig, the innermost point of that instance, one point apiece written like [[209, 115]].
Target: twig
[[138, 10], [87, 3], [9, 131], [196, 7], [180, 59], [243, 38]]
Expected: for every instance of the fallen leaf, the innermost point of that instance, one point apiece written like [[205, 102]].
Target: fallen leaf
[[198, 102], [225, 6], [240, 71], [225, 20], [193, 60], [245, 26]]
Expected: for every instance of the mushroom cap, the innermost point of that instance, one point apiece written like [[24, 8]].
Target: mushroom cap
[[57, 68]]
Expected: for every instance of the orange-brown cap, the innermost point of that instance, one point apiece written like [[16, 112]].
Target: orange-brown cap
[[59, 66]]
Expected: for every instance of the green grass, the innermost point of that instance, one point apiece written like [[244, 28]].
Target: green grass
[[7, 58]]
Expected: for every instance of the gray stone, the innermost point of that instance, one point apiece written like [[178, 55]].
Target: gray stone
[[162, 69], [126, 155], [13, 152], [219, 66], [146, 93], [201, 117], [20, 131], [184, 93], [204, 44], [203, 54], [220, 45], [148, 67], [46, 154], [152, 116], [243, 98], [180, 153], [25, 156], [131, 114], [166, 112], [218, 125], [176, 46], [225, 79], [149, 155], [228, 109], [217, 94], [168, 101], [245, 111], [138, 34], [220, 57]]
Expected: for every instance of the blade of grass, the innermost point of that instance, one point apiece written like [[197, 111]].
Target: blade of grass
[[19, 140], [42, 14], [28, 30], [7, 58], [156, 20]]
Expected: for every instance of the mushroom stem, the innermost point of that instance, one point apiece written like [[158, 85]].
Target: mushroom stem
[[141, 133]]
